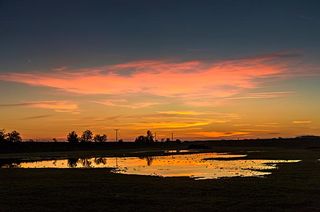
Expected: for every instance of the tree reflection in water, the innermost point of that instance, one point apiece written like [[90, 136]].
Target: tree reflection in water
[[149, 159], [100, 160], [73, 162], [85, 162]]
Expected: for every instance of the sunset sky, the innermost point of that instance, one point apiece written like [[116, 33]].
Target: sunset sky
[[200, 69]]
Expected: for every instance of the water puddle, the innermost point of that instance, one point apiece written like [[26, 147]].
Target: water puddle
[[197, 165]]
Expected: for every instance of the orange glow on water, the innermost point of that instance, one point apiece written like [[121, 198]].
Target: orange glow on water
[[199, 165]]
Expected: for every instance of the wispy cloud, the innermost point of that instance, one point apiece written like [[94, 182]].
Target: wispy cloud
[[301, 122], [217, 134], [125, 103], [188, 80], [57, 106], [183, 113], [263, 95], [169, 124], [36, 117]]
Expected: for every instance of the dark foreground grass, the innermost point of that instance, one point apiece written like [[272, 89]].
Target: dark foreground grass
[[292, 187]]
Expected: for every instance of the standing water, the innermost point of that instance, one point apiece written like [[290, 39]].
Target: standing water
[[198, 166]]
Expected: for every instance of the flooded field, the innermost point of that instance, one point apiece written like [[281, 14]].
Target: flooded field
[[198, 165]]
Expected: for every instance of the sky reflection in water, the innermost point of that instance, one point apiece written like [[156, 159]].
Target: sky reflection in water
[[189, 165]]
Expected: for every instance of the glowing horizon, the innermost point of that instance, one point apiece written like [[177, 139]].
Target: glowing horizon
[[187, 98]]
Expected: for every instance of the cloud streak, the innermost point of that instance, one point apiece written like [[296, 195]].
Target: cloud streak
[[189, 79], [57, 106], [36, 117], [302, 122], [263, 95], [181, 113], [215, 134], [125, 103]]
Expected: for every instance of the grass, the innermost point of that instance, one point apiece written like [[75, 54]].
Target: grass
[[292, 187]]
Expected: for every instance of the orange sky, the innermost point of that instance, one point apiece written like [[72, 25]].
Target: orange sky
[[237, 98]]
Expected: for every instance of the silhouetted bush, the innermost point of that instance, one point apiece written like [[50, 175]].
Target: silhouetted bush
[[14, 137], [100, 138], [86, 136], [150, 137], [3, 135], [73, 137], [145, 139], [140, 139]]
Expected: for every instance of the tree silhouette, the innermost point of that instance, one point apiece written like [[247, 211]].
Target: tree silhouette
[[178, 140], [14, 137], [100, 138], [140, 139], [149, 137], [86, 136], [145, 139], [73, 137], [2, 135]]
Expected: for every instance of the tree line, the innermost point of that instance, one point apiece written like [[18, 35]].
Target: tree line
[[150, 138], [87, 136]]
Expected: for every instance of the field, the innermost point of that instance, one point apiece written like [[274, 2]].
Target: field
[[291, 187]]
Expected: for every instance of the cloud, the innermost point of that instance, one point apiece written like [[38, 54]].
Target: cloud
[[177, 120], [302, 122], [263, 95], [268, 124], [16, 104], [169, 125], [57, 106], [215, 134], [125, 103], [183, 113], [188, 79], [36, 117]]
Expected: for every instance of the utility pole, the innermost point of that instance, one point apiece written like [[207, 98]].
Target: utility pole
[[171, 136], [116, 130]]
